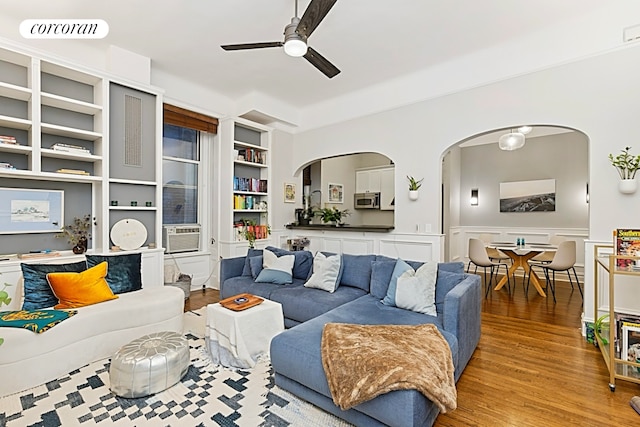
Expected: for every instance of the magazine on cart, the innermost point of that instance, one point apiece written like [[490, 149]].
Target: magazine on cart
[[627, 242]]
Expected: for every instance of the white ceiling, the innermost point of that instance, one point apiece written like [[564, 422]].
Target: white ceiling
[[370, 41]]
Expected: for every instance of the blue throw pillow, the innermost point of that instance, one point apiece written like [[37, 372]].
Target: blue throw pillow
[[303, 261], [246, 270], [276, 269], [123, 272], [37, 292], [381, 271], [255, 262]]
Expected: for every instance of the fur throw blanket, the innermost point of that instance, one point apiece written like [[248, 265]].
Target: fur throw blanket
[[364, 361]]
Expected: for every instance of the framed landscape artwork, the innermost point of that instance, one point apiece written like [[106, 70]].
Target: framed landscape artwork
[[528, 196], [31, 211], [336, 193]]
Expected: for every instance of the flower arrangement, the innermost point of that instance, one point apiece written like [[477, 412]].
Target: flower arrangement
[[626, 164], [78, 232]]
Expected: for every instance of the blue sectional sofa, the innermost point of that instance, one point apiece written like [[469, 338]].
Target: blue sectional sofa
[[295, 353]]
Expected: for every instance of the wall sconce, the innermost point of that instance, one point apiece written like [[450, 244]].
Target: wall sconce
[[587, 192], [474, 197]]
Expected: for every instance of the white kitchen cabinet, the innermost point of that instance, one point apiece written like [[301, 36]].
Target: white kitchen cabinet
[[378, 180], [368, 181]]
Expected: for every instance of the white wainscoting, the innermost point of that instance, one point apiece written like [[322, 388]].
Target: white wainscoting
[[410, 246], [459, 240]]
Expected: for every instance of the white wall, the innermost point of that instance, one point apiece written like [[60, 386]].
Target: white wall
[[597, 96], [562, 157]]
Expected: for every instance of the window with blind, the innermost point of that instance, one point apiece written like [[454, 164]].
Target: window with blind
[[183, 134]]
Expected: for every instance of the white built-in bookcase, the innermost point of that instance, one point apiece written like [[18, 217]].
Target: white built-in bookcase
[[238, 136], [45, 101]]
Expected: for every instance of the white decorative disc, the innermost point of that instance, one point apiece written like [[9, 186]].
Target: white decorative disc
[[129, 234]]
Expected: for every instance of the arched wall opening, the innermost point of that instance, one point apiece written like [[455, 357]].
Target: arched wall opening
[[335, 180], [555, 157]]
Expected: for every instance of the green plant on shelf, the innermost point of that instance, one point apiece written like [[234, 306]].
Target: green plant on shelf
[[332, 215]]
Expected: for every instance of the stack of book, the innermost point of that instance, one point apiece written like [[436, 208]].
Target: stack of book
[[6, 139], [73, 171], [70, 148]]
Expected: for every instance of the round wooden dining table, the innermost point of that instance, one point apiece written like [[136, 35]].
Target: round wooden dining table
[[520, 255]]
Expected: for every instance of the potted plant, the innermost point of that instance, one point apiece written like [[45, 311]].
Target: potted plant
[[250, 231], [332, 215], [414, 186], [78, 233], [627, 165]]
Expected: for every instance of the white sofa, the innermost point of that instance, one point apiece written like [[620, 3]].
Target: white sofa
[[28, 359]]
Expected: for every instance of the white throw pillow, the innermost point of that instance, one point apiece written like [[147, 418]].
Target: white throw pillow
[[414, 290], [326, 272], [278, 270]]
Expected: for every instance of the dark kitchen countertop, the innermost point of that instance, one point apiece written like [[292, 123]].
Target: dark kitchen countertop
[[374, 228]]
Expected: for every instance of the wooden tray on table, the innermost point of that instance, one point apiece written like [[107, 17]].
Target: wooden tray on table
[[241, 302]]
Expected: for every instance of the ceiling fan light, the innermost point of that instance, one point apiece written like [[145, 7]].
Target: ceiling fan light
[[525, 130], [511, 141], [295, 47]]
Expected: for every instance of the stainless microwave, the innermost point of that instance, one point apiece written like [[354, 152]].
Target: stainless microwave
[[366, 201]]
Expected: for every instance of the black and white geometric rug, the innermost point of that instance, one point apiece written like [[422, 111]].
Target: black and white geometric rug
[[208, 395]]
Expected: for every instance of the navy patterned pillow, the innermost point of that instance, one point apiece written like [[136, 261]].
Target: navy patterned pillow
[[123, 271], [37, 292]]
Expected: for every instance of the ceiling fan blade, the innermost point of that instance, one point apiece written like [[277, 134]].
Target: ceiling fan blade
[[321, 63], [251, 45], [315, 13]]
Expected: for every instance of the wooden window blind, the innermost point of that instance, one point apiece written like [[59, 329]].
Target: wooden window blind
[[180, 117]]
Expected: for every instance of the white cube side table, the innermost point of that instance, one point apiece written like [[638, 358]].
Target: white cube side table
[[237, 338]]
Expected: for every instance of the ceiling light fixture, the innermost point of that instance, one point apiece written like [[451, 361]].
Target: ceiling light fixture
[[294, 45], [511, 141], [525, 130]]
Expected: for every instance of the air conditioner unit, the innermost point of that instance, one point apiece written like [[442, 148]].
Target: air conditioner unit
[[181, 238]]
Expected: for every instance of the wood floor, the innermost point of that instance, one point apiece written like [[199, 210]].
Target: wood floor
[[531, 368]]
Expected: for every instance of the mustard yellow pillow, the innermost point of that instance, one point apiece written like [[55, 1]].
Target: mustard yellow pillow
[[81, 289]]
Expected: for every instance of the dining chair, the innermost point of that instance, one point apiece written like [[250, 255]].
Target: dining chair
[[564, 260], [494, 254], [479, 257], [547, 256]]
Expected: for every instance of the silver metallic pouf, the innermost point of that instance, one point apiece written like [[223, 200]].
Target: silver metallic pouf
[[149, 364]]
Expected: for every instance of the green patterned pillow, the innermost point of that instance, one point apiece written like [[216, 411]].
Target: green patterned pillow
[[37, 321]]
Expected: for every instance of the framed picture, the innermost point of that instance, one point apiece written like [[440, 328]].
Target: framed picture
[[289, 193], [25, 210], [528, 196], [336, 193]]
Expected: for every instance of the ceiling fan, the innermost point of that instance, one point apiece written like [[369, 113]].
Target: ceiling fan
[[296, 34]]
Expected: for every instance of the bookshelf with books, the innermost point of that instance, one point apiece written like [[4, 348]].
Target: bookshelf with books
[[246, 145], [611, 269]]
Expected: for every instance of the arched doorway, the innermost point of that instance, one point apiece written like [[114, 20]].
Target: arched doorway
[[551, 153]]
